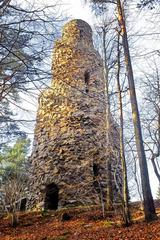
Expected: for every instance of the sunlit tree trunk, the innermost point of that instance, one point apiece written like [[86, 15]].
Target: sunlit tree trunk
[[126, 212], [149, 208]]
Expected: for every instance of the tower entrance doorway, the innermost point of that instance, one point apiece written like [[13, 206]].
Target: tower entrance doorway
[[51, 198]]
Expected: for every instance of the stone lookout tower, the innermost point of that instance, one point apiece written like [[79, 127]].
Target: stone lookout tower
[[69, 153]]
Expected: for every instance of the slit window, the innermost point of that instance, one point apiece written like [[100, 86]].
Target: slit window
[[86, 80], [81, 34], [95, 170], [86, 77]]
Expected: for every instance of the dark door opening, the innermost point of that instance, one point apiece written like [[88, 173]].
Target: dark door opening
[[23, 204], [51, 198], [95, 169]]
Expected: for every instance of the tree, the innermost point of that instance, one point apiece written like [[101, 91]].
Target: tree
[[149, 208], [13, 177], [9, 129], [14, 159], [151, 89], [148, 3], [15, 156], [27, 34], [12, 192], [109, 199], [106, 37], [125, 192]]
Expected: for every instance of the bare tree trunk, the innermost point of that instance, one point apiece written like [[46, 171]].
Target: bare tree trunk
[[149, 208], [153, 158], [101, 198], [126, 212], [109, 200], [14, 219], [156, 155], [138, 184]]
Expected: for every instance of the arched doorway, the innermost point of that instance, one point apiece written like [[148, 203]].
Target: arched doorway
[[51, 197]]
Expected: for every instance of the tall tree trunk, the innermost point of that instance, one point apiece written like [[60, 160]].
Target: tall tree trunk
[[149, 208], [109, 200], [156, 155], [126, 212]]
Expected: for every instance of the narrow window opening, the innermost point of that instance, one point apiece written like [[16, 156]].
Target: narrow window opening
[[86, 77], [81, 34], [95, 170], [87, 90], [51, 198], [86, 80], [96, 183]]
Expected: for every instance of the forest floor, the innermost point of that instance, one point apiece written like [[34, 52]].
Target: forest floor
[[79, 224]]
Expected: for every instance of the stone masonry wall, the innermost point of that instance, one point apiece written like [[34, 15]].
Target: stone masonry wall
[[70, 134]]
